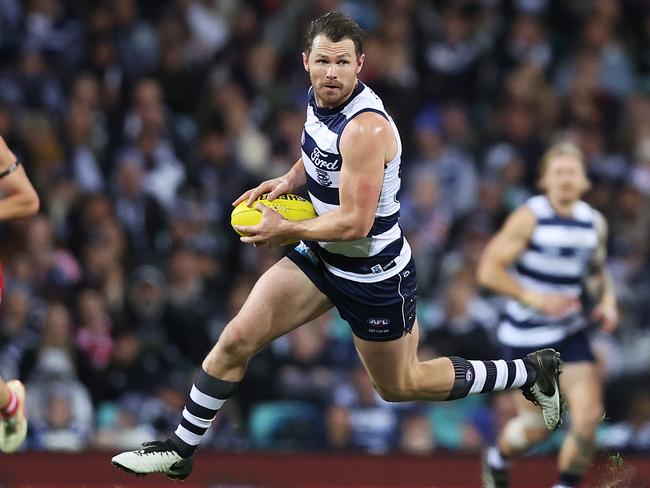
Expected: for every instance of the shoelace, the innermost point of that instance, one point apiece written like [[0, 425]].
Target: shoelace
[[154, 447]]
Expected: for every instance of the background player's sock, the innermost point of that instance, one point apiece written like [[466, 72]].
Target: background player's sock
[[568, 480], [472, 377], [495, 459], [207, 396]]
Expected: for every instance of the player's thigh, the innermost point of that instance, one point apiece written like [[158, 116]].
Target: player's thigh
[[582, 387], [282, 299], [388, 362], [397, 373]]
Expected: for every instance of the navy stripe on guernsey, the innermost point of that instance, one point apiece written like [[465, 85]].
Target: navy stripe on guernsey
[[563, 221], [325, 194], [383, 224], [554, 279], [558, 250], [362, 265]]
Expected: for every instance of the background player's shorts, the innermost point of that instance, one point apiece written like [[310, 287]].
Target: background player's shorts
[[573, 349], [2, 283], [381, 311]]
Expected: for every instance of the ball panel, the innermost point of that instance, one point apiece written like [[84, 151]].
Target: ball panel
[[291, 207]]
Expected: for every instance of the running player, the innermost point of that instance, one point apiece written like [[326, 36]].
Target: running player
[[352, 256], [556, 244], [19, 199]]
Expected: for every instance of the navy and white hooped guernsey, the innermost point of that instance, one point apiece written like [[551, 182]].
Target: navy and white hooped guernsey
[[384, 252], [556, 261]]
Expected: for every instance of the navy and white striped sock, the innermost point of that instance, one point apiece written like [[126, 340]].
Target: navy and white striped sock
[[207, 396], [475, 377]]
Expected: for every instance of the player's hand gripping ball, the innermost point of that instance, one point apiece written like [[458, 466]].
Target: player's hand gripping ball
[[290, 206]]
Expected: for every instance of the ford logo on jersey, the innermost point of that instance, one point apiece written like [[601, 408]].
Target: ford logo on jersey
[[325, 160]]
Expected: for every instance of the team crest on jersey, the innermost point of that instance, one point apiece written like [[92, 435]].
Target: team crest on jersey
[[323, 177]]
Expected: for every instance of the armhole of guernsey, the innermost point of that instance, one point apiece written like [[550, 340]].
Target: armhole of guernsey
[[349, 119]]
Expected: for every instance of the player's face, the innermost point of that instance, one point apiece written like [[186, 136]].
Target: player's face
[[333, 69], [564, 179]]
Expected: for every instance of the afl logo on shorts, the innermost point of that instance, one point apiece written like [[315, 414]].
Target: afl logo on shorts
[[379, 322]]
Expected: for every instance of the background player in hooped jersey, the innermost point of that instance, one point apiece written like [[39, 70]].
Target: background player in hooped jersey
[[352, 256], [557, 246], [18, 199]]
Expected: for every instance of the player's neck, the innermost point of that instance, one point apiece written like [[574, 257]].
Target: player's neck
[[564, 209]]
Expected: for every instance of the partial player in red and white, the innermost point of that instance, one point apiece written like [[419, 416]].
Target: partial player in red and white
[[18, 199]]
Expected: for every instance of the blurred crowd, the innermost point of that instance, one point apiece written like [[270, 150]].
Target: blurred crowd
[[140, 121]]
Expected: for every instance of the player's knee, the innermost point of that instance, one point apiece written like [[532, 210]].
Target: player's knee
[[235, 344], [526, 429], [586, 418], [398, 392]]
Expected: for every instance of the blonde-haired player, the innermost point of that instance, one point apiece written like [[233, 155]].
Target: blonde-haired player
[[19, 199], [542, 259]]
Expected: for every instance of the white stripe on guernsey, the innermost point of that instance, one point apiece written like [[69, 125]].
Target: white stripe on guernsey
[[366, 99], [324, 137], [522, 313], [521, 375], [188, 437], [199, 422], [513, 336], [400, 262], [564, 236], [540, 206], [366, 247], [388, 204], [204, 400], [480, 375], [553, 265], [502, 375], [320, 206]]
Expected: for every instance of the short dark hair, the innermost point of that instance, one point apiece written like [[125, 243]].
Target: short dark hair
[[336, 26]]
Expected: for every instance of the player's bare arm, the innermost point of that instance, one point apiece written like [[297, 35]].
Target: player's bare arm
[[365, 146], [287, 183], [606, 311], [20, 198], [502, 251]]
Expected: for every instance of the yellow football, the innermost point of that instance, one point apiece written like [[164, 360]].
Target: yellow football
[[290, 206]]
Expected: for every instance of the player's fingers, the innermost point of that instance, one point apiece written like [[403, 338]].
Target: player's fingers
[[251, 239], [264, 187], [245, 229], [276, 192], [241, 198]]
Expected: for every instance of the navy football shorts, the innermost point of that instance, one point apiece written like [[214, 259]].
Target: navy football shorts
[[381, 311], [572, 349]]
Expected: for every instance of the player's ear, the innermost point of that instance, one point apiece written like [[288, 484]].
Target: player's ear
[[305, 61], [360, 61]]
